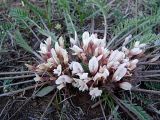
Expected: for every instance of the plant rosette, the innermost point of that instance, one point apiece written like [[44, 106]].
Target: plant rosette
[[93, 67]]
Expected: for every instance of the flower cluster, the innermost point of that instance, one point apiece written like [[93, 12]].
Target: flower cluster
[[87, 65]]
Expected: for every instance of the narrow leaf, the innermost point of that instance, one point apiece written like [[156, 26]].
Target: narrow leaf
[[44, 91]]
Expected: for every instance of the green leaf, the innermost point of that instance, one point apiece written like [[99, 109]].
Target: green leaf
[[47, 34], [44, 91], [37, 10], [137, 110], [21, 42], [18, 13]]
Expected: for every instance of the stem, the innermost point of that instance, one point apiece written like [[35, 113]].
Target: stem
[[146, 91], [15, 73], [17, 77], [48, 105]]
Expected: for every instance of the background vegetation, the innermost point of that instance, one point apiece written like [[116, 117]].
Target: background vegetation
[[25, 23]]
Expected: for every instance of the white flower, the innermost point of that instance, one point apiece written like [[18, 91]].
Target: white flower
[[59, 87], [76, 67], [75, 40], [83, 76], [135, 51], [43, 48], [127, 39], [85, 39], [58, 71], [62, 80], [97, 76], [125, 85], [93, 64], [62, 52], [54, 56], [120, 73], [65, 55], [103, 73], [133, 64], [95, 92], [125, 50], [48, 41], [61, 42], [81, 84], [76, 49], [37, 78], [116, 56]]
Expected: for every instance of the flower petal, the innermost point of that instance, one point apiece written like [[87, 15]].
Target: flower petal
[[43, 48], [135, 51], [76, 49], [48, 41], [63, 79], [58, 70], [61, 42], [83, 76], [93, 64], [125, 85], [120, 73], [54, 56], [95, 92], [59, 87], [76, 68]]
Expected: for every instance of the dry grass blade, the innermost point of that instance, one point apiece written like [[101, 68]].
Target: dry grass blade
[[24, 82], [48, 105], [24, 89], [15, 73], [121, 105], [146, 91], [17, 77]]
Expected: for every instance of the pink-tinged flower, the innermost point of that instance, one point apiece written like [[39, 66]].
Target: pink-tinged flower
[[133, 64], [76, 67], [58, 70], [76, 50], [54, 55], [95, 92], [60, 86], [113, 64], [75, 40], [127, 39], [43, 48], [37, 78], [81, 84], [48, 42], [61, 42], [125, 85], [42, 67], [93, 65], [65, 56], [30, 67], [101, 74], [85, 39], [61, 52], [135, 51], [116, 56], [83, 76], [106, 52], [125, 50], [120, 73], [62, 80]]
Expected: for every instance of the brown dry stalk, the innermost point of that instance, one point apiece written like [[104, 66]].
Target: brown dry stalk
[[48, 105], [21, 90], [146, 91], [17, 77], [15, 73]]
